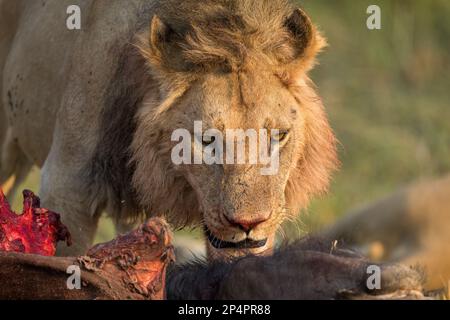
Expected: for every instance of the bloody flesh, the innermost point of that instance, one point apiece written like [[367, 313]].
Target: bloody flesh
[[36, 230]]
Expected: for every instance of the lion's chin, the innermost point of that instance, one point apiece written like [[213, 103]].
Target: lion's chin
[[229, 251], [244, 244]]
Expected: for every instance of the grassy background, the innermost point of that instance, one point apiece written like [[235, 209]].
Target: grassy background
[[387, 93]]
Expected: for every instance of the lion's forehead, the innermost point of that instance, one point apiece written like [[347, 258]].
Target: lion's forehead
[[244, 101]]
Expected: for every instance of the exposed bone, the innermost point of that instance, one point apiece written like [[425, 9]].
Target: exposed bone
[[36, 230], [132, 266]]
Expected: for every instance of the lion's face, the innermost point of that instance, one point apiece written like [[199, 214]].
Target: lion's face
[[262, 86], [241, 207]]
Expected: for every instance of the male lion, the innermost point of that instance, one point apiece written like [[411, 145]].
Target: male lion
[[96, 107]]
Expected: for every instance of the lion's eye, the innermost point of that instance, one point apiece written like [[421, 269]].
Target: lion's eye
[[280, 136]]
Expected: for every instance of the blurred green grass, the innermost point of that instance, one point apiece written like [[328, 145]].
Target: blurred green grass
[[387, 93]]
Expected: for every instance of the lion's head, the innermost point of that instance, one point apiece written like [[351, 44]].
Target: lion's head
[[232, 65]]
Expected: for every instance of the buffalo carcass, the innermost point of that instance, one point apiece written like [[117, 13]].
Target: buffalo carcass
[[307, 269]]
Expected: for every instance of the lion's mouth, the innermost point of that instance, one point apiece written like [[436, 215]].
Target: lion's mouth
[[245, 244]]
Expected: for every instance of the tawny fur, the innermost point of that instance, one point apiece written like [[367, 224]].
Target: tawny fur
[[104, 132], [223, 35]]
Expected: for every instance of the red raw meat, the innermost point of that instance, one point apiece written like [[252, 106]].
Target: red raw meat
[[36, 230]]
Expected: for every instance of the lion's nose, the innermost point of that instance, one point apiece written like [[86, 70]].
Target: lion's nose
[[247, 224]]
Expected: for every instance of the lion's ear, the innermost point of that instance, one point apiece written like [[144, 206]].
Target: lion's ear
[[160, 36], [307, 39], [160, 46]]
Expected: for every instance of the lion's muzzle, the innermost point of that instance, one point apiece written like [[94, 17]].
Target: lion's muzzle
[[244, 244]]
